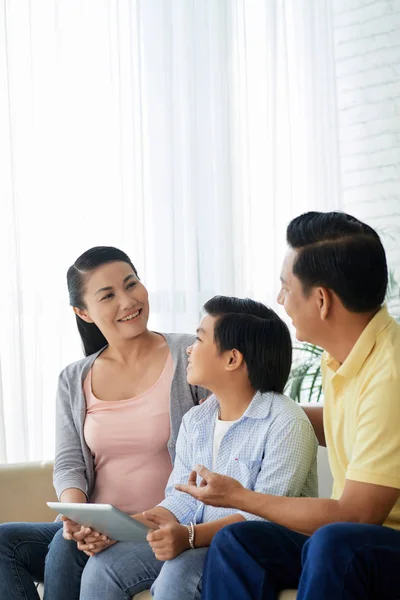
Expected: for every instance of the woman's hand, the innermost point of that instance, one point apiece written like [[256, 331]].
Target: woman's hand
[[72, 529], [89, 541], [95, 543], [215, 489], [167, 539]]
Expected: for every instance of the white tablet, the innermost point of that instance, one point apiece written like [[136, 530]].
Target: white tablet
[[105, 519]]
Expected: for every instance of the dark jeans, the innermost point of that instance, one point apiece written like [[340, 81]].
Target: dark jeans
[[32, 552], [342, 561]]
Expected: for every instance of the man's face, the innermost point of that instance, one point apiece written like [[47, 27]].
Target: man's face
[[205, 363], [302, 309]]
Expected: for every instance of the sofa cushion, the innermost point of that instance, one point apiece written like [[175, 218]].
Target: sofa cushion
[[25, 489]]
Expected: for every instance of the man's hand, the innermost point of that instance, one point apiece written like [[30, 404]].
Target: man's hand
[[167, 539], [215, 489]]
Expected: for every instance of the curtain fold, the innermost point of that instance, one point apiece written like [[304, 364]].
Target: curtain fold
[[186, 132]]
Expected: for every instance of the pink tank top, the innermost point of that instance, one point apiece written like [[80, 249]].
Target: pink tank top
[[128, 441]]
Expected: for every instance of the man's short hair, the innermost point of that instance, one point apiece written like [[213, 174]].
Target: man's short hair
[[339, 252], [259, 334]]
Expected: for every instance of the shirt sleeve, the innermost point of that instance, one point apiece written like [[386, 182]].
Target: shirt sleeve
[[290, 458], [376, 451], [181, 505], [69, 464]]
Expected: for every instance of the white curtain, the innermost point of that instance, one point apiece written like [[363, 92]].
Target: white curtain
[[186, 132]]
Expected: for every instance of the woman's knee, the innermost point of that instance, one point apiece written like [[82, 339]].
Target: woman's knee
[[9, 537], [63, 550], [58, 542]]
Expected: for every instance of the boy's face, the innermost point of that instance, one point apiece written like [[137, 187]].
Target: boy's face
[[205, 363]]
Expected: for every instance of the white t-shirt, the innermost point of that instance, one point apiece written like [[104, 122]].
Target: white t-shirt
[[221, 427]]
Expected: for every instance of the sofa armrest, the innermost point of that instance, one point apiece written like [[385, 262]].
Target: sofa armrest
[[25, 489]]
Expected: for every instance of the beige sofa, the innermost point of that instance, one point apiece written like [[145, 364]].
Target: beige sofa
[[25, 488]]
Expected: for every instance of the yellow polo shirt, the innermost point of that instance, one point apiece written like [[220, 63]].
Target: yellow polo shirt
[[362, 410]]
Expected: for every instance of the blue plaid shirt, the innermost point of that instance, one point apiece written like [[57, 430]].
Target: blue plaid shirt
[[271, 449]]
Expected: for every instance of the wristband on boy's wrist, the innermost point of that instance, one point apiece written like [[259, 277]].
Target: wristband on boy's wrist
[[190, 529]]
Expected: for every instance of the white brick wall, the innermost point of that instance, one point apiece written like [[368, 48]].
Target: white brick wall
[[367, 52]]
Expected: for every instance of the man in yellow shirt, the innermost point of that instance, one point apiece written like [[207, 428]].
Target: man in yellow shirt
[[334, 281]]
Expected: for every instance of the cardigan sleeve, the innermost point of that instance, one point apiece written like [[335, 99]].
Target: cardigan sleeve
[[69, 464]]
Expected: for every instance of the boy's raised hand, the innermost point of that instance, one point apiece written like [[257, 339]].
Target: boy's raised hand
[[167, 539]]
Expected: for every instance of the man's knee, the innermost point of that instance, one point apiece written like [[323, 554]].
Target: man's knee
[[234, 534], [224, 537], [327, 541], [245, 535]]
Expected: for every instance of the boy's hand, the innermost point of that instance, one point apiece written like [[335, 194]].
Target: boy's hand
[[167, 539]]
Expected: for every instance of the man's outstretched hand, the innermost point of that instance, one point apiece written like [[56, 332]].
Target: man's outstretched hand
[[214, 489]]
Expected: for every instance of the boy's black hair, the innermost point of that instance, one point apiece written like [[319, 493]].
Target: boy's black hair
[[259, 334]]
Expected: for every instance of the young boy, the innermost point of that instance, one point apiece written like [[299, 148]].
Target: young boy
[[247, 430]]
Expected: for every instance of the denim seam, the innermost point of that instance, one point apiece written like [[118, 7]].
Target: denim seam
[[197, 590], [15, 560], [350, 563], [127, 590]]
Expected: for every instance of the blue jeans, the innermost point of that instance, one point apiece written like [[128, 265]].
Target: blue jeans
[[128, 568], [341, 561], [32, 552]]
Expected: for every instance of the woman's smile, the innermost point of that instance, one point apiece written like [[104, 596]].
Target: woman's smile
[[132, 316]]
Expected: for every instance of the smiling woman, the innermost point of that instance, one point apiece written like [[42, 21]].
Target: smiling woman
[[93, 291], [118, 414]]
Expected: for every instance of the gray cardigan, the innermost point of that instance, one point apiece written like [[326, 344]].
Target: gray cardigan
[[73, 464]]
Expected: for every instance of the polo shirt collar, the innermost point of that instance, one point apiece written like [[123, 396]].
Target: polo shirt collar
[[363, 346]]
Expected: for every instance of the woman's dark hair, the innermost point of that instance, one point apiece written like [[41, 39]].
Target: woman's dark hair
[[259, 334], [339, 252], [92, 338]]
